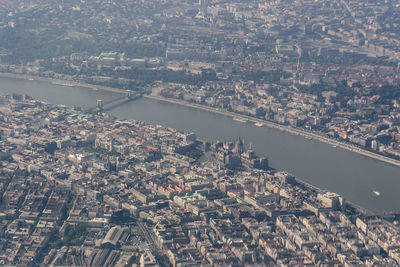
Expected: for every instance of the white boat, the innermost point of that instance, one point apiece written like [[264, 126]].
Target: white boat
[[31, 79], [259, 124], [63, 84], [239, 119], [376, 193]]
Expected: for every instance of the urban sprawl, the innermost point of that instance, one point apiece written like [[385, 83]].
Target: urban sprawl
[[93, 190], [87, 189], [330, 67]]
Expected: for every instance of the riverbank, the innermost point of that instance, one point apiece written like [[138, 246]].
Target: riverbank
[[335, 170], [289, 129], [244, 118], [62, 82], [296, 131]]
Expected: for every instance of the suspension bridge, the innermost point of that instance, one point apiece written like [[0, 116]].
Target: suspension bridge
[[113, 103]]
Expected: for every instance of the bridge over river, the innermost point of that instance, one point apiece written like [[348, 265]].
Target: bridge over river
[[115, 102]]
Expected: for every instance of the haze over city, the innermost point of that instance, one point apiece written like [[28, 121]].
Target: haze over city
[[199, 133]]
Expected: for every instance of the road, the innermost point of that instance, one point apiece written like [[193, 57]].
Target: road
[[150, 238]]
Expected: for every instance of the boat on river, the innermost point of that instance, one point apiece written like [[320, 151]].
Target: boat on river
[[376, 193], [239, 119], [63, 84]]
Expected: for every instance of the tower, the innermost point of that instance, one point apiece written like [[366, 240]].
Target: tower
[[239, 146], [99, 104]]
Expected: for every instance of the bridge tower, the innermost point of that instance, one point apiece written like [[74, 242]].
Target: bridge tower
[[99, 104]]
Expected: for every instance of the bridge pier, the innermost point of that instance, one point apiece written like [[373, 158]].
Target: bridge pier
[[99, 104], [128, 95]]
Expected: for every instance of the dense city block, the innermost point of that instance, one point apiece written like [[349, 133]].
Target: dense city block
[[88, 189]]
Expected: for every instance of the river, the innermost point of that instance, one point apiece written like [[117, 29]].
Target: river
[[351, 175]]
